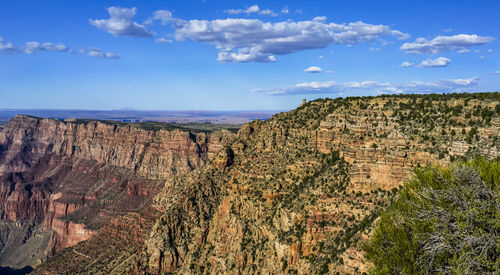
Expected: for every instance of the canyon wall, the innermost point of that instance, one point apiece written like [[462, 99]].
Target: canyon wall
[[383, 149], [71, 178], [152, 154]]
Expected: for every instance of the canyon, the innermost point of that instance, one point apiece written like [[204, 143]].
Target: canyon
[[297, 193], [61, 181]]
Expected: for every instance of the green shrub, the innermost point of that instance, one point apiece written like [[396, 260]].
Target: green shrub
[[444, 221]]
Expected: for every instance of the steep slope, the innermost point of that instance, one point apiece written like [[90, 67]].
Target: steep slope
[[62, 181], [299, 192]]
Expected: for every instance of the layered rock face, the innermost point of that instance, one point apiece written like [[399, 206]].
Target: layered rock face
[[152, 154], [72, 178], [296, 194], [383, 148]]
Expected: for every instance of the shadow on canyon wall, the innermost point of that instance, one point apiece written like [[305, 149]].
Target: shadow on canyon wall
[[12, 271]]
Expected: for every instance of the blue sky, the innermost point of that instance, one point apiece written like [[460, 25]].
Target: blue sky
[[240, 55]]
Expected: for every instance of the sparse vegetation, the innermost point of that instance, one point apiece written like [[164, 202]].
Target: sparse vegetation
[[444, 221]]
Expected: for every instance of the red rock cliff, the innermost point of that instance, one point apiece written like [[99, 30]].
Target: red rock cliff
[[74, 177]]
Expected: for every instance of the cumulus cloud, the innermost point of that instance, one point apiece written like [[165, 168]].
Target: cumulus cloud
[[252, 9], [34, 47], [120, 23], [245, 40], [95, 52], [285, 10], [268, 12], [249, 40], [496, 72], [406, 64], [439, 44], [313, 69], [332, 87], [7, 47], [434, 63], [164, 16]]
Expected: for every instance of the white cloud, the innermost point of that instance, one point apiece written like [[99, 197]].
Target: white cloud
[[332, 87], [327, 87], [244, 55], [490, 50], [496, 72], [321, 57], [406, 64], [163, 40], [445, 85], [245, 40], [252, 9], [120, 23], [249, 40], [285, 10], [7, 47], [440, 44], [165, 16], [372, 49], [94, 52], [34, 47], [433, 63], [313, 69], [268, 12], [319, 19]]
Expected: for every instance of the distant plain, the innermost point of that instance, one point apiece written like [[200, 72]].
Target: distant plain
[[215, 117]]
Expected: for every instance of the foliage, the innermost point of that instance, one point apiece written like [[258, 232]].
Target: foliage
[[444, 220]]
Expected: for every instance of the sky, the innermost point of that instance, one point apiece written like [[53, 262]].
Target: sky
[[240, 55]]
